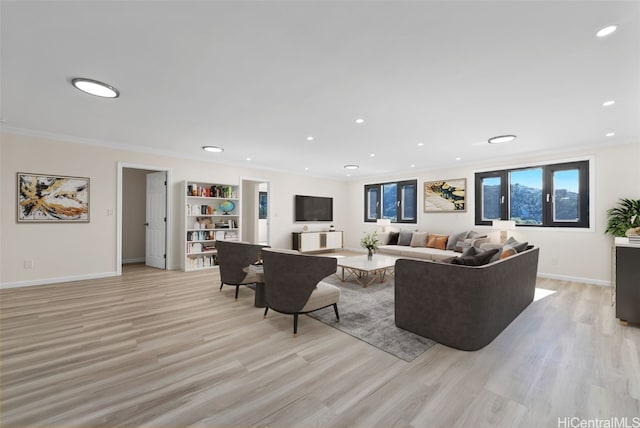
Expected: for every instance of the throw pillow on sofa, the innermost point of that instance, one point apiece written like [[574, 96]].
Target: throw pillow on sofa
[[480, 259], [437, 241], [473, 239], [507, 251], [518, 246], [454, 238], [393, 238], [419, 239], [405, 237]]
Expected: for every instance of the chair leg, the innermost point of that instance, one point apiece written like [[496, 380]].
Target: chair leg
[[266, 309], [295, 323], [237, 289], [221, 284], [335, 308]]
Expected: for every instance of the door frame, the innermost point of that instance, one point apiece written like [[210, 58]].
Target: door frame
[[168, 249], [269, 195]]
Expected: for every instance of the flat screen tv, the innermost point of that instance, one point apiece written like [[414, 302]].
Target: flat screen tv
[[313, 208]]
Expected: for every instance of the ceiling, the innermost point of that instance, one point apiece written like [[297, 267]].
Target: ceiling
[[258, 78]]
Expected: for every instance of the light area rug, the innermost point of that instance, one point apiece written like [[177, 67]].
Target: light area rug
[[368, 314]]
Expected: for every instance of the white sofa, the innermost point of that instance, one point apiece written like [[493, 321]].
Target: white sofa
[[421, 252]]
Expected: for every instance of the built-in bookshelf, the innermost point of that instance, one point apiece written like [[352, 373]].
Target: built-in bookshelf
[[211, 213]]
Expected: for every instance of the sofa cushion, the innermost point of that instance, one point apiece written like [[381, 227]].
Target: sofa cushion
[[454, 238], [324, 294], [392, 250], [473, 235], [518, 246], [507, 251], [419, 239], [478, 260], [437, 241], [393, 238], [383, 238], [405, 237]]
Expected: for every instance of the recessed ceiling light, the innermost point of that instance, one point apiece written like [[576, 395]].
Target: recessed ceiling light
[[606, 31], [351, 167], [420, 144], [310, 138], [248, 159], [608, 103], [348, 175], [458, 158], [306, 168], [610, 134], [413, 166], [502, 139], [373, 155], [359, 121], [96, 88], [212, 149]]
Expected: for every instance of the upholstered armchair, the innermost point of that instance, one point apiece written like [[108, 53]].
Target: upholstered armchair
[[293, 283], [233, 257]]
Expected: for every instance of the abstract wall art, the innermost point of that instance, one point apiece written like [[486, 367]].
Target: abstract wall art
[[52, 198], [445, 195]]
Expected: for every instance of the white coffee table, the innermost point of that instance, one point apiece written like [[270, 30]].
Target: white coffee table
[[366, 271]]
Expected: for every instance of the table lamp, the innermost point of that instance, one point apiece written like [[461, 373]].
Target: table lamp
[[383, 223], [504, 226]]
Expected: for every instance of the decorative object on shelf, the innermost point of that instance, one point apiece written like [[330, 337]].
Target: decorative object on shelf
[[634, 231], [370, 242], [445, 195], [227, 207], [52, 198], [332, 228], [503, 226], [623, 217]]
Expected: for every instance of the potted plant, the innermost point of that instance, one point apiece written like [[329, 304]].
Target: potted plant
[[370, 242], [623, 217]]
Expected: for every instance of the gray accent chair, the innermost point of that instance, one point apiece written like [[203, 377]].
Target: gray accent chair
[[293, 283], [464, 307], [233, 257]]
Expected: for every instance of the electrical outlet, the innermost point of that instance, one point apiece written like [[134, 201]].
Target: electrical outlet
[[28, 264]]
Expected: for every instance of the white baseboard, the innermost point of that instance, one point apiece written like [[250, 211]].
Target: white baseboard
[[129, 261], [45, 281], [575, 279]]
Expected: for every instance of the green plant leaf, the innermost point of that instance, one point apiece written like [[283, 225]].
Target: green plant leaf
[[623, 217]]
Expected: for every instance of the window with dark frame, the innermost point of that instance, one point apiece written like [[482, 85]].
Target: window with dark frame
[[396, 201], [553, 195]]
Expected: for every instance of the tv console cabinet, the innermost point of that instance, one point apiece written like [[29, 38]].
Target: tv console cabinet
[[627, 281], [316, 241]]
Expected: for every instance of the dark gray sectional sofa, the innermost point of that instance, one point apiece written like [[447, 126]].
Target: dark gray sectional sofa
[[464, 307]]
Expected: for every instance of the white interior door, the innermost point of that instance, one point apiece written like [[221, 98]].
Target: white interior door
[[156, 225]]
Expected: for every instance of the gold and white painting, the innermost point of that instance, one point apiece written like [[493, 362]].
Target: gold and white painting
[[445, 195], [52, 198]]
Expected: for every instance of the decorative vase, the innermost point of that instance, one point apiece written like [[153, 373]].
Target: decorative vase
[[370, 254]]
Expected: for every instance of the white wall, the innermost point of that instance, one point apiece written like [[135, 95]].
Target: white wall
[[63, 251], [565, 254]]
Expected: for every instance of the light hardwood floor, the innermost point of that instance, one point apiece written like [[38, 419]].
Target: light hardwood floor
[[167, 349]]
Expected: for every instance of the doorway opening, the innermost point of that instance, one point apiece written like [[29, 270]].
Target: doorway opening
[[143, 216], [255, 210]]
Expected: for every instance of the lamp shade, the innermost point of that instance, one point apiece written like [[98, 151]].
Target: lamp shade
[[383, 222], [504, 225]]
